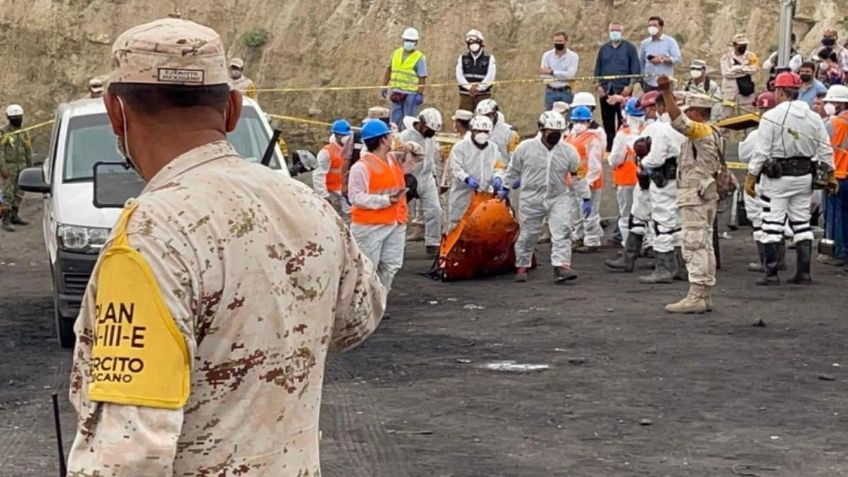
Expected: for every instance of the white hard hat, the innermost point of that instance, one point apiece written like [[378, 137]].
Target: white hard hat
[[487, 106], [561, 107], [837, 94], [552, 120], [14, 110], [410, 34], [474, 34], [481, 123], [432, 118], [583, 99]]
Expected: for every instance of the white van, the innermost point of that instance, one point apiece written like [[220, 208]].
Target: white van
[[74, 229]]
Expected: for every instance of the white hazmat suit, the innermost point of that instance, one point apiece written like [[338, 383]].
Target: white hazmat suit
[[468, 160], [589, 228], [425, 174], [622, 150], [665, 144]]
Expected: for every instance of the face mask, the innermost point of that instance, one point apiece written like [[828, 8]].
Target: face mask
[[235, 74], [552, 138], [559, 46], [428, 133], [121, 141], [481, 138], [830, 109], [16, 121], [580, 128], [741, 49], [828, 41], [806, 78], [474, 47], [409, 45], [634, 122], [696, 74], [652, 30], [615, 36]]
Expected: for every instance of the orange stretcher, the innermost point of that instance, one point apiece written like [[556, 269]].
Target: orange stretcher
[[482, 244]]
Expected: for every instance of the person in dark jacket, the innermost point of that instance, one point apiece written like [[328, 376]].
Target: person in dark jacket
[[616, 57]]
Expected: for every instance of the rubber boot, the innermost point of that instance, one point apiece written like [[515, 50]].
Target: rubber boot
[[16, 219], [781, 255], [758, 267], [7, 222], [803, 257], [682, 272], [626, 263], [771, 278], [664, 271], [694, 302]]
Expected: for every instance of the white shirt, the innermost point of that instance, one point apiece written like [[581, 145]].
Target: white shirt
[[665, 143], [807, 138], [487, 81], [564, 67]]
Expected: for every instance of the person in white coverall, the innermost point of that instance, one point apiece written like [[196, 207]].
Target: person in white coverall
[[639, 226], [327, 177], [622, 159], [379, 211], [661, 161], [474, 165], [590, 149], [422, 130], [542, 167], [791, 140], [502, 134]]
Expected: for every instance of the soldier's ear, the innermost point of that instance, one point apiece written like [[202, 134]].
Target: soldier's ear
[[233, 111], [114, 109]]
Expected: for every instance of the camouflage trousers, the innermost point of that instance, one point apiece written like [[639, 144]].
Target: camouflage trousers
[[12, 196], [698, 249]]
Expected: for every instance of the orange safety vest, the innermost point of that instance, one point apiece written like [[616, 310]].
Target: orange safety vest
[[840, 140], [383, 178], [624, 174], [581, 143], [334, 175]]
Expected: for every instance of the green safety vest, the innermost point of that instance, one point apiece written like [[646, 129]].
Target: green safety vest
[[403, 75]]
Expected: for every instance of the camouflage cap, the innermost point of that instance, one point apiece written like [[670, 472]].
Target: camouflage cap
[[169, 51], [698, 101], [237, 63], [378, 112]]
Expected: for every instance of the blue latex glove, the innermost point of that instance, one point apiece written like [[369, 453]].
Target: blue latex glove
[[472, 182], [587, 208], [419, 98], [497, 184], [503, 193], [516, 184], [384, 93]]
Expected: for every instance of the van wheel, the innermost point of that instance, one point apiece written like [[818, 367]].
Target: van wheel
[[64, 326]]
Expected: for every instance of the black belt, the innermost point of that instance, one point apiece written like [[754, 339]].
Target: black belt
[[795, 166], [564, 88]]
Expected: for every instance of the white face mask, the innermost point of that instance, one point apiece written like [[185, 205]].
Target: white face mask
[[634, 122], [696, 74], [830, 109], [481, 137], [474, 47], [615, 36], [579, 128], [409, 45], [652, 30]]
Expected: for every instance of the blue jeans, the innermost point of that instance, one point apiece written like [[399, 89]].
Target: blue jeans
[[836, 220], [401, 110], [552, 96]]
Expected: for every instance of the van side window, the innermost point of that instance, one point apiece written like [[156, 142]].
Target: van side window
[[49, 163]]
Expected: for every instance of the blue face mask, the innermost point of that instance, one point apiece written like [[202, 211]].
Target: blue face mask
[[615, 35], [409, 45]]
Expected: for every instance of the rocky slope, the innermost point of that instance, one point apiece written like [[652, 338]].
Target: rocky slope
[[50, 48]]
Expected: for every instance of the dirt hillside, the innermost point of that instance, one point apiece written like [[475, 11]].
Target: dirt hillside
[[50, 49]]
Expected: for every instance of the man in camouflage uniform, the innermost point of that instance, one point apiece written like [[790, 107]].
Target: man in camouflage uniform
[[15, 155], [697, 193], [204, 330]]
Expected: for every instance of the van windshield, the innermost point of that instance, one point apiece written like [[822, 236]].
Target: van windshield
[[90, 140]]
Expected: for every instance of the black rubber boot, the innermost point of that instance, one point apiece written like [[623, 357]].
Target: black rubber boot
[[627, 261], [682, 272], [803, 257], [760, 266], [781, 255], [664, 271], [771, 278], [7, 222]]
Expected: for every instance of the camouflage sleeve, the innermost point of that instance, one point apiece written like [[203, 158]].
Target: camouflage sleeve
[[28, 149], [691, 129], [361, 299], [115, 440]]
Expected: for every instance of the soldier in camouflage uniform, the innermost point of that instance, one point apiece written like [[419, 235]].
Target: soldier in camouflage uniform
[[204, 330], [15, 155], [697, 194]]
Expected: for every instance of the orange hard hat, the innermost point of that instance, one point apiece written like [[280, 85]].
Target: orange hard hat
[[787, 79], [766, 100], [649, 99]]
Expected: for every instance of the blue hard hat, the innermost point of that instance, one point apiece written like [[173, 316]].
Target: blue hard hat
[[340, 127], [632, 108], [374, 128], [581, 113]]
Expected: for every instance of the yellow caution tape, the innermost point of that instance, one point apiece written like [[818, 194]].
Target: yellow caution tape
[[737, 165], [27, 129], [298, 120]]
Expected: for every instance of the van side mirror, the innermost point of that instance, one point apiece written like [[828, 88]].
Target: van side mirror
[[31, 179], [114, 184]]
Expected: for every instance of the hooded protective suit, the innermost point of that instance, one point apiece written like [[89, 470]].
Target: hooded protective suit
[[467, 160], [425, 174], [589, 228], [503, 137], [546, 193], [665, 144]]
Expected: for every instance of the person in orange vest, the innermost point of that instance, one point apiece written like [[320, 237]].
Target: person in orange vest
[[622, 159], [590, 148], [836, 207], [379, 213], [327, 178]]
